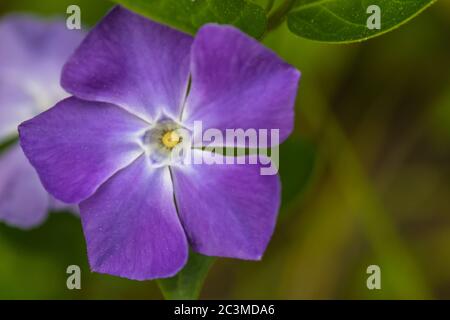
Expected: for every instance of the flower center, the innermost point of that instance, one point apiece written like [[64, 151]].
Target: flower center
[[170, 139], [166, 142]]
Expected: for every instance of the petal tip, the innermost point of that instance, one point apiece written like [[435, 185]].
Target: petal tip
[[103, 268]]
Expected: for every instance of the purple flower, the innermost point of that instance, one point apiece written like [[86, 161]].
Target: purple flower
[[107, 146], [32, 54]]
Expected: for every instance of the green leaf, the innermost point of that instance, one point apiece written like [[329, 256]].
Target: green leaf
[[186, 285], [346, 20], [190, 15]]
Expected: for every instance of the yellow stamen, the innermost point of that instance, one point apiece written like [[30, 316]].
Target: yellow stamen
[[170, 139]]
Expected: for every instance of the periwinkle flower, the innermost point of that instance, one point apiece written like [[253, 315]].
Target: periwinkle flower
[[32, 54], [109, 146]]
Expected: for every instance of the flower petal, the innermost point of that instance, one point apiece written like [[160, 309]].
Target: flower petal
[[15, 107], [227, 210], [131, 225], [57, 206], [77, 145], [35, 48], [23, 200], [237, 83], [132, 62], [32, 55]]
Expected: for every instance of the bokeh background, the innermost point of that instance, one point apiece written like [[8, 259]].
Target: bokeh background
[[366, 180]]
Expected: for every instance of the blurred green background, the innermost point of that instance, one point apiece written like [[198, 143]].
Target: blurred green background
[[366, 180]]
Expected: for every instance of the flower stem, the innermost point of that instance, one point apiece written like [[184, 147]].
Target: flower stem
[[269, 5], [279, 15]]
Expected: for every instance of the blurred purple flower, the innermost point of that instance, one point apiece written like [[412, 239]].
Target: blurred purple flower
[[32, 54], [107, 145]]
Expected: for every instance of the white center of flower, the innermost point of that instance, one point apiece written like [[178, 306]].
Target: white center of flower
[[166, 142]]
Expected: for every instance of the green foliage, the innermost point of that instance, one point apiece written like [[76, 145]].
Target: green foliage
[[6, 144], [346, 20], [322, 20], [336, 21], [186, 285], [189, 15], [296, 172]]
